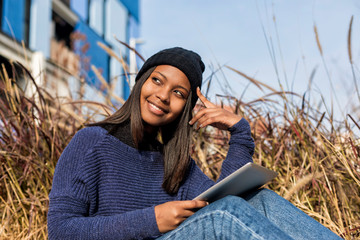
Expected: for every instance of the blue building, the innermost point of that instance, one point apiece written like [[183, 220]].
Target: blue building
[[61, 38]]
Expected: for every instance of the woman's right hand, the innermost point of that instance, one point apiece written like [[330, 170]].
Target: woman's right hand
[[213, 115], [169, 215]]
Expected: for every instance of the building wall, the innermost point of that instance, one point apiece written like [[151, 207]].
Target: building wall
[[98, 20], [94, 54]]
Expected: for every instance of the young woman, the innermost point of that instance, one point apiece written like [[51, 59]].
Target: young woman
[[131, 176]]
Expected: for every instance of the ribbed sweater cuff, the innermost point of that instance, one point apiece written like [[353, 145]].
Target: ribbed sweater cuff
[[240, 127], [149, 222], [137, 224]]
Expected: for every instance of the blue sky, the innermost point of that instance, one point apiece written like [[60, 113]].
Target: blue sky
[[237, 33]]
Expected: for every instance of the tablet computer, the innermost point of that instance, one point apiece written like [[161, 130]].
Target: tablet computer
[[248, 177]]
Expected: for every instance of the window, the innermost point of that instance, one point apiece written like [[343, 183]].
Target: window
[[96, 16], [14, 26], [62, 29], [80, 7], [27, 22]]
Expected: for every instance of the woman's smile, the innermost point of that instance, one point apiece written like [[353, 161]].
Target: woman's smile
[[157, 110]]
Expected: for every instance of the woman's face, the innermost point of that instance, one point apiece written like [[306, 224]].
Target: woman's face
[[163, 96]]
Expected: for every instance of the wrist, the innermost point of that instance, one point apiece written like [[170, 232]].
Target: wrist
[[235, 120], [238, 126]]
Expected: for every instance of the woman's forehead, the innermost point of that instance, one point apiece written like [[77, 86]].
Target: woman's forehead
[[173, 74]]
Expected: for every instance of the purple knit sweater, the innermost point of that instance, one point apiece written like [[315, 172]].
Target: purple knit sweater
[[105, 189]]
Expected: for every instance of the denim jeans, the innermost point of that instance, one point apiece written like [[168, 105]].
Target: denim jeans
[[261, 214]]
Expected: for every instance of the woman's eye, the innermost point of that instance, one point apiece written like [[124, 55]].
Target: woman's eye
[[156, 80], [180, 94]]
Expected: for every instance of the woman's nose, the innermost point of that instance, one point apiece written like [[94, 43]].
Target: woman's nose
[[163, 95]]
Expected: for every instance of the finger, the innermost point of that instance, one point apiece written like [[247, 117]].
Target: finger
[[207, 122], [194, 204], [204, 121], [201, 114], [203, 99], [218, 121], [205, 114], [216, 117], [187, 213]]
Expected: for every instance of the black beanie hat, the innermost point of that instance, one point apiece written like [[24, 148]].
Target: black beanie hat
[[187, 61]]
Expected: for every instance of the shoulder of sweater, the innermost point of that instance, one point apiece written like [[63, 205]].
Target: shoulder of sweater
[[80, 145], [76, 151], [89, 135], [94, 132]]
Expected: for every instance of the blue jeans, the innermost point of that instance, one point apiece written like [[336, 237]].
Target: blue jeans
[[261, 214]]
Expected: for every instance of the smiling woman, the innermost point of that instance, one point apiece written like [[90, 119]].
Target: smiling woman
[[117, 180], [163, 96]]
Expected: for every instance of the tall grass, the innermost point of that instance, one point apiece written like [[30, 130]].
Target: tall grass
[[319, 169], [34, 130], [317, 157], [318, 162]]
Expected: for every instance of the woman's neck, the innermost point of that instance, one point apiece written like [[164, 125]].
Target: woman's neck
[[150, 130], [123, 133]]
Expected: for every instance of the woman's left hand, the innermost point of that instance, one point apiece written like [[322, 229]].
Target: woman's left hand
[[213, 115]]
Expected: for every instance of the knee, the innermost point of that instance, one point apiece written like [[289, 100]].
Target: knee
[[262, 194], [227, 203], [266, 193], [230, 199]]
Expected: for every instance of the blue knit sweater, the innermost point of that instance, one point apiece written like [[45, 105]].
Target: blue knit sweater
[[105, 189]]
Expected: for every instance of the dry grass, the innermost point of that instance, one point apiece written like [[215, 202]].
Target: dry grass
[[319, 170], [34, 131]]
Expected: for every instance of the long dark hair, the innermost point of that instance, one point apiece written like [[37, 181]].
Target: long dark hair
[[176, 136]]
